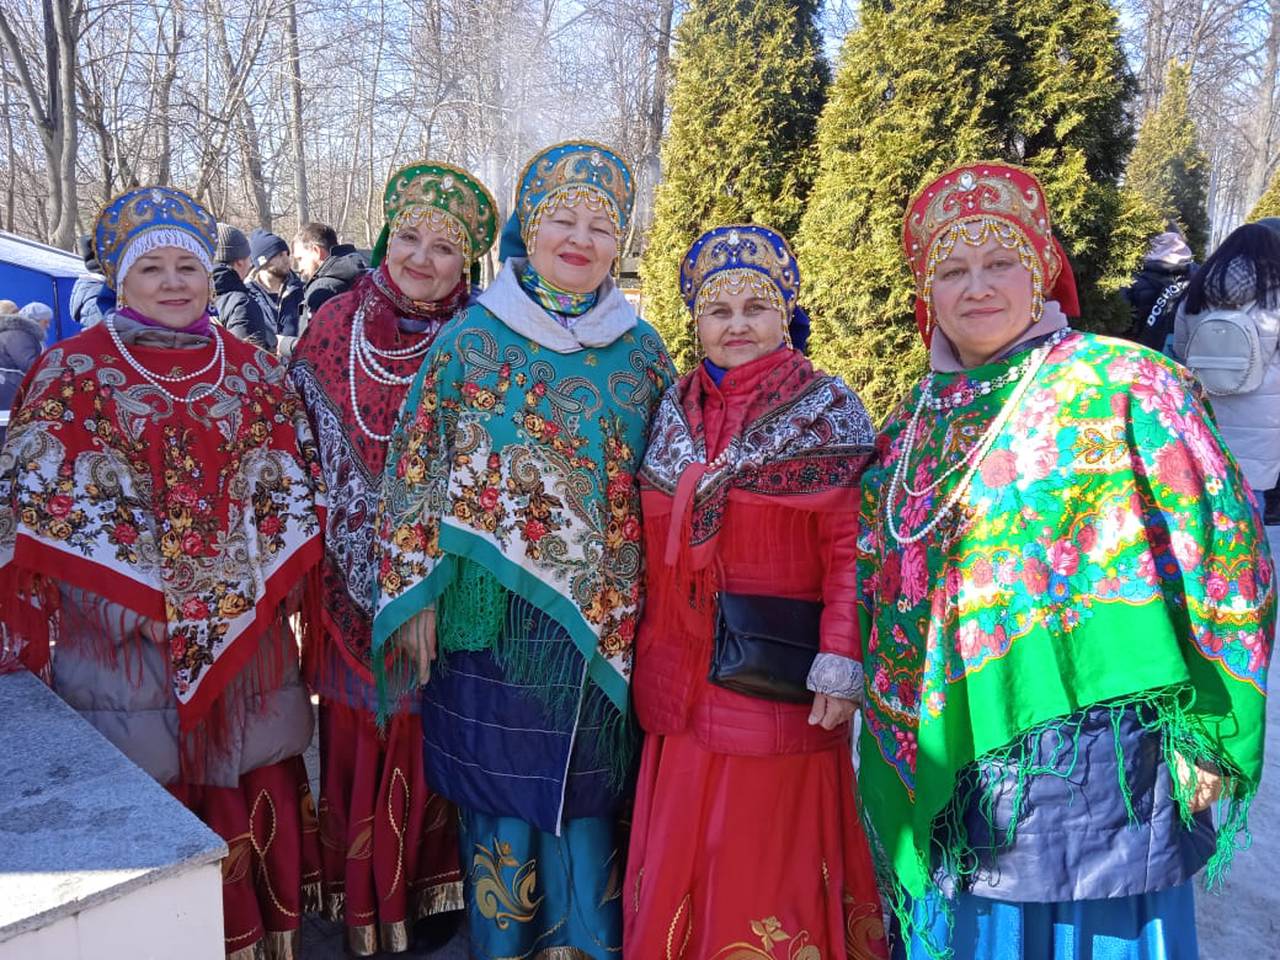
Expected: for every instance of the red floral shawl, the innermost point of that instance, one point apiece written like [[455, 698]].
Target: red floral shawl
[[200, 516], [352, 462]]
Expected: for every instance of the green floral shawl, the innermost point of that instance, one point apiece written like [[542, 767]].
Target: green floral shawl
[[1108, 551], [516, 464]]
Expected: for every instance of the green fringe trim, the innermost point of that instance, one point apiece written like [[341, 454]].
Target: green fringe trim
[[552, 669], [954, 861], [471, 611]]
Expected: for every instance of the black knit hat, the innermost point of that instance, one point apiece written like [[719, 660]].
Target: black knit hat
[[263, 245], [232, 245]]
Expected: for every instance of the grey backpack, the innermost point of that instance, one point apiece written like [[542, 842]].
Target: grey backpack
[[1224, 351]]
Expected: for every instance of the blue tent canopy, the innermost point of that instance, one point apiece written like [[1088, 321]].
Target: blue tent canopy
[[30, 270]]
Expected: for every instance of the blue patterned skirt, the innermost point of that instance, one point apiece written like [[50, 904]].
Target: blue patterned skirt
[[1153, 926], [532, 894]]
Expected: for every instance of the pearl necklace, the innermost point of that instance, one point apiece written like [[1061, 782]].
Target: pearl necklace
[[927, 398], [365, 355], [973, 459], [198, 391]]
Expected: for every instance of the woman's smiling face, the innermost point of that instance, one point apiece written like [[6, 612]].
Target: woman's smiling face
[[983, 298], [575, 247]]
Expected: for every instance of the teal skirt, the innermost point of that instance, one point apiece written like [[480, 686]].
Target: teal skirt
[[1152, 926], [534, 895]]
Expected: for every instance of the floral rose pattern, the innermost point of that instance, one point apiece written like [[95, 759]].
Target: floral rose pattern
[[191, 509], [1109, 488], [535, 456]]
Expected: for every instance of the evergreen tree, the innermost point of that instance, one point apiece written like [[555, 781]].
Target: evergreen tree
[[1268, 204], [925, 84], [749, 85], [1168, 168]]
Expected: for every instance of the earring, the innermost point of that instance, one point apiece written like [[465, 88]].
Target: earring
[[786, 333]]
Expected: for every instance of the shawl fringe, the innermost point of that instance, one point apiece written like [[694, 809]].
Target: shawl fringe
[[1167, 712]]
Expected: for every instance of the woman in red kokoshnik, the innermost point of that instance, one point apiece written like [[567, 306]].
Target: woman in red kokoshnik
[[166, 472], [390, 847]]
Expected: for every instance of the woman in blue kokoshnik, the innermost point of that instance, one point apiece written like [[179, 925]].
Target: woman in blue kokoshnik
[[509, 562]]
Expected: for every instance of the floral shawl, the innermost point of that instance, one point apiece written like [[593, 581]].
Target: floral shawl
[[805, 434], [522, 461], [352, 461], [202, 516], [1107, 552]]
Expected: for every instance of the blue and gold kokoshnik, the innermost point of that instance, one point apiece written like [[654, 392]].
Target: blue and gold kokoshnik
[[741, 255], [145, 219], [568, 174]]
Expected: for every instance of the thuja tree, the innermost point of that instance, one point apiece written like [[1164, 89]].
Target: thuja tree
[[1168, 168], [749, 82], [1268, 204], [925, 84]]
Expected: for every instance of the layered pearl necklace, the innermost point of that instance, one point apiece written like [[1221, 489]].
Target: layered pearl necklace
[[1024, 373], [198, 391], [365, 355]]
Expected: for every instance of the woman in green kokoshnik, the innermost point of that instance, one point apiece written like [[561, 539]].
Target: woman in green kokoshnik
[[509, 562], [1068, 609]]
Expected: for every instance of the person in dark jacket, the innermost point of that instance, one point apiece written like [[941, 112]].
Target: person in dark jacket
[[1168, 261], [21, 342], [238, 312], [90, 296], [327, 267], [275, 287]]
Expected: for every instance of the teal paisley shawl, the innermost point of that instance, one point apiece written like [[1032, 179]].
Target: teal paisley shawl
[[1107, 552], [522, 461]]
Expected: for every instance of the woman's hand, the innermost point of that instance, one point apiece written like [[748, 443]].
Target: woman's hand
[[1208, 785], [830, 712], [417, 638]]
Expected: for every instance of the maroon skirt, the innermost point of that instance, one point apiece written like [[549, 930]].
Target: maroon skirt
[[389, 845], [271, 874]]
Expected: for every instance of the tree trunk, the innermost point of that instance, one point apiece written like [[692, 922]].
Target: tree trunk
[[64, 24], [1264, 134], [295, 116]]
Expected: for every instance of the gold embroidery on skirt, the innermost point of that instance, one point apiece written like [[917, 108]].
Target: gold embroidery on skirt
[[495, 898], [671, 931], [635, 897], [864, 929], [771, 935], [235, 866], [613, 889], [361, 847], [261, 849]]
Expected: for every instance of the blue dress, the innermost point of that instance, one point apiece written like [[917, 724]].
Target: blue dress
[[538, 797]]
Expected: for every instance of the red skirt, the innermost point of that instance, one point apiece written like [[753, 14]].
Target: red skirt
[[737, 857], [271, 874], [389, 845]]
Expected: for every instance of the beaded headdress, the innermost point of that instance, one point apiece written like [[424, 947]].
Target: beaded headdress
[[568, 174], [739, 256], [146, 219], [445, 198], [1000, 201]]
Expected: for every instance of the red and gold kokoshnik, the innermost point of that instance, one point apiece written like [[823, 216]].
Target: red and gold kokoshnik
[[1010, 203]]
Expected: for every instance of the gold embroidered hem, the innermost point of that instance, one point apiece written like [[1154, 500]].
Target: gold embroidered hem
[[283, 944], [395, 936], [362, 941], [334, 906], [312, 899], [257, 951], [444, 898]]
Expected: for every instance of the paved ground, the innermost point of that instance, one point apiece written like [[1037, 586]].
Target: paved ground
[[1241, 922]]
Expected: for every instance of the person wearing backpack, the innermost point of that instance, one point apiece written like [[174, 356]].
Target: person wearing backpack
[[1226, 332]]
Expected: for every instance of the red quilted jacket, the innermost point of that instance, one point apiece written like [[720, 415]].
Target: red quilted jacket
[[788, 546]]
